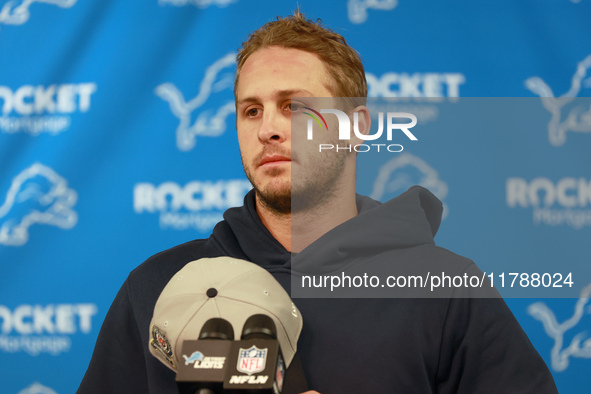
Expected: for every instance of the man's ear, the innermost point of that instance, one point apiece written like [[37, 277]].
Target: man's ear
[[363, 124]]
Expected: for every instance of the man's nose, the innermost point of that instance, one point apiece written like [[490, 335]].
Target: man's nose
[[275, 127]]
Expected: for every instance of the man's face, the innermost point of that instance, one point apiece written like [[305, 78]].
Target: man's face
[[268, 80]]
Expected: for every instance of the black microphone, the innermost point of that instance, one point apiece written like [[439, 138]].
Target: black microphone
[[256, 363], [205, 359]]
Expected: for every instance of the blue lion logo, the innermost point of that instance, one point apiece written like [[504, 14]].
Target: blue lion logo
[[196, 356], [15, 13], [37, 195], [218, 77]]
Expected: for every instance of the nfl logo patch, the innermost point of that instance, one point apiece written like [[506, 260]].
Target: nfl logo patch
[[252, 360]]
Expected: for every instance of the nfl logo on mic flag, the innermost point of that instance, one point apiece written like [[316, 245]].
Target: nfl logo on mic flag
[[251, 360]]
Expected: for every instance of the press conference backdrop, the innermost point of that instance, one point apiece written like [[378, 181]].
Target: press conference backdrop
[[117, 141]]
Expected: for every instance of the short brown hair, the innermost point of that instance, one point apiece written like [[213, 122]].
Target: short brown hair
[[295, 31]]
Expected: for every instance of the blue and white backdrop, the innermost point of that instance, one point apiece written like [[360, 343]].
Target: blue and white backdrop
[[117, 141]]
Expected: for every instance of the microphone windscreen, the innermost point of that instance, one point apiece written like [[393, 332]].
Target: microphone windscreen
[[259, 327], [217, 328]]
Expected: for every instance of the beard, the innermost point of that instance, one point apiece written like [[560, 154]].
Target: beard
[[313, 184], [276, 198]]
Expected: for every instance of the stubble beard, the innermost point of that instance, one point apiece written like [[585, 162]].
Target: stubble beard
[[276, 198], [309, 188]]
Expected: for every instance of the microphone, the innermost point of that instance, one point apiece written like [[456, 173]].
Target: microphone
[[233, 291], [256, 363], [205, 359]]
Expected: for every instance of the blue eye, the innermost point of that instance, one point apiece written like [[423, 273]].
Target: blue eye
[[294, 107]]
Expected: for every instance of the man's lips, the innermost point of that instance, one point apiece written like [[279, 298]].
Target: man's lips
[[274, 160]]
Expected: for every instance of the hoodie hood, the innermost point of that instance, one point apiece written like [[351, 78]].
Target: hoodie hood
[[408, 220]]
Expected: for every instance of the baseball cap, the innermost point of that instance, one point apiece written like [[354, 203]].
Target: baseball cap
[[225, 287]]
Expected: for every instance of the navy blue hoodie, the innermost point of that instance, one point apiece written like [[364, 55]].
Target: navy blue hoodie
[[348, 345]]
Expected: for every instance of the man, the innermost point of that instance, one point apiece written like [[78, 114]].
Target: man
[[305, 203]]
